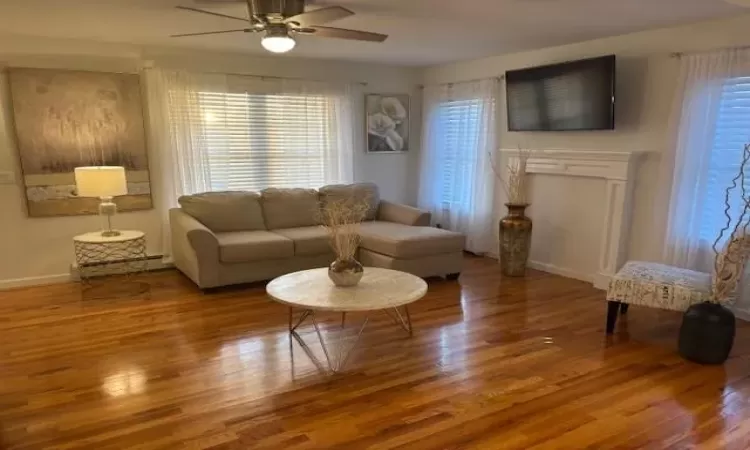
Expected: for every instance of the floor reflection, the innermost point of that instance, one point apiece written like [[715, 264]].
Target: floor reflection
[[125, 382], [453, 347]]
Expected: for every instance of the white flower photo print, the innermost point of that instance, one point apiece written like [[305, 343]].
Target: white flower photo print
[[387, 123]]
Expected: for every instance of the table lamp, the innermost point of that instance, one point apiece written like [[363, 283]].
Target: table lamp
[[104, 182]]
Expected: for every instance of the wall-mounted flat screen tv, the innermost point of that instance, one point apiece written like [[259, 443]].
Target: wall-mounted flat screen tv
[[572, 96]]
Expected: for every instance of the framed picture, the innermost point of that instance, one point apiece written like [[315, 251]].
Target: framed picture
[[67, 119], [388, 121]]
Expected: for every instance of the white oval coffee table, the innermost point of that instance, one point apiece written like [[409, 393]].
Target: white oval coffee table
[[379, 290]]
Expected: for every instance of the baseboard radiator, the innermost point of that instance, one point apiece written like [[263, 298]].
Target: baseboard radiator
[[153, 262]]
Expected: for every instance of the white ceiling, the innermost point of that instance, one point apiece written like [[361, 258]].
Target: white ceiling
[[422, 32]]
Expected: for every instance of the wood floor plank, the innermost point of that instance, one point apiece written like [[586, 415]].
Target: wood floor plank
[[494, 363]]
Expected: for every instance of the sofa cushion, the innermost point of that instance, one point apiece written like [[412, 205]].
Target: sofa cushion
[[225, 211], [289, 208], [404, 241], [308, 241], [245, 246], [364, 191]]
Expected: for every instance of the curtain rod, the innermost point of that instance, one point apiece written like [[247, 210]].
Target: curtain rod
[[673, 55], [680, 54], [496, 78], [275, 77], [151, 65]]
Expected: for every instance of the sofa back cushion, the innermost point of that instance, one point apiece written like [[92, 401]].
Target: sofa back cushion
[[225, 211], [289, 208], [360, 191]]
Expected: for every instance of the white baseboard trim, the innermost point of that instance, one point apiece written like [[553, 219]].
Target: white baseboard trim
[[562, 271], [601, 281], [557, 270], [34, 281], [153, 263], [741, 314]]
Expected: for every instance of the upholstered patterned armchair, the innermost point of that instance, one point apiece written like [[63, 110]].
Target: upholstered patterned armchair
[[654, 285], [666, 287]]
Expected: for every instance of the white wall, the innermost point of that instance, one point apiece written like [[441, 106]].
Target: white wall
[[38, 250], [646, 78]]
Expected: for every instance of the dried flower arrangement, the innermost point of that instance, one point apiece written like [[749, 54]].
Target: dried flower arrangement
[[515, 185], [729, 264], [341, 219]]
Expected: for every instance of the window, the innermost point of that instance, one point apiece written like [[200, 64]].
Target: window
[[459, 122], [252, 141], [730, 135], [458, 136]]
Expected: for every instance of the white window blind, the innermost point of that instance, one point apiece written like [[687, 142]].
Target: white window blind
[[254, 141], [458, 122], [731, 134]]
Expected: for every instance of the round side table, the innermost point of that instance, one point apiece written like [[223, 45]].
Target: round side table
[[98, 255]]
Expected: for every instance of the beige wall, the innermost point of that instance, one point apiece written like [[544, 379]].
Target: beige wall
[[39, 250], [567, 225]]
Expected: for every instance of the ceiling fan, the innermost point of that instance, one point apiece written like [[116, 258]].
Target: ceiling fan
[[281, 20]]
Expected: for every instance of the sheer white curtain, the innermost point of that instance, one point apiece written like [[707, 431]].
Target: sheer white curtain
[[229, 132], [456, 183], [176, 137], [694, 170]]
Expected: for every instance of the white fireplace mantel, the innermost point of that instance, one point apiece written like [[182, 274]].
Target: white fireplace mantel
[[617, 170]]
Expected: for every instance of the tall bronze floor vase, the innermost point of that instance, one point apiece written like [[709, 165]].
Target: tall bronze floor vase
[[515, 240]]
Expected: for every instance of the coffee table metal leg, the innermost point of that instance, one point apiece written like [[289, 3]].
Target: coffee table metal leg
[[306, 348], [338, 354], [405, 324], [342, 362], [342, 354], [408, 320], [302, 318]]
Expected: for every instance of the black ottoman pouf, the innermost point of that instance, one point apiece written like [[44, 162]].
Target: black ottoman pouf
[[707, 333]]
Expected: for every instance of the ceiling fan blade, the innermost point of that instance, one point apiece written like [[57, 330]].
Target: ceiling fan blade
[[318, 16], [203, 11], [342, 33], [246, 30]]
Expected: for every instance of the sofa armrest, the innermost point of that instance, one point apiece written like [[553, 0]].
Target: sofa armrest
[[195, 249], [407, 215]]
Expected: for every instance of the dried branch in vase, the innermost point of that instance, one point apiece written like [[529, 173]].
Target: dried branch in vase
[[341, 218], [515, 184], [729, 264]]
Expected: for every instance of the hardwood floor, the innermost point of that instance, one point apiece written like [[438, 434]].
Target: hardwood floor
[[494, 363]]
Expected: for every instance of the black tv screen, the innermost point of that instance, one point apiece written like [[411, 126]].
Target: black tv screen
[[577, 95]]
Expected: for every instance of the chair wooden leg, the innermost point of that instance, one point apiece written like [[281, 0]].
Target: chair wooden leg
[[612, 309], [624, 308]]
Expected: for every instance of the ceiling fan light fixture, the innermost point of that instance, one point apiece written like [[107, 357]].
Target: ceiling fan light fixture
[[277, 40], [282, 20]]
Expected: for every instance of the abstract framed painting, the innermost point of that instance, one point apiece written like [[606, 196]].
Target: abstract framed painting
[[67, 119], [388, 121]]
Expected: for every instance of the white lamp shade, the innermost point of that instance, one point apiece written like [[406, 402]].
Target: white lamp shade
[[101, 181]]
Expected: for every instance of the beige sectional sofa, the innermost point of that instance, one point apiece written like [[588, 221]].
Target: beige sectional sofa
[[223, 238]]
